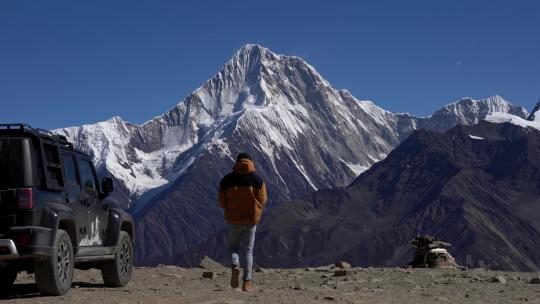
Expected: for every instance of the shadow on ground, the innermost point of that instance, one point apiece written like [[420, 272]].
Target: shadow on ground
[[20, 291], [25, 291]]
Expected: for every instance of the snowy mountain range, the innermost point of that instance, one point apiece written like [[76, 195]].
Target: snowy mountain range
[[304, 135]]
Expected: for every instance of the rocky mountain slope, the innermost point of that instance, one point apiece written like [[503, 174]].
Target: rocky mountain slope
[[304, 135], [477, 187]]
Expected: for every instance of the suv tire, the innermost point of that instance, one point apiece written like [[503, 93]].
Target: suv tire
[[7, 278], [54, 275], [117, 272]]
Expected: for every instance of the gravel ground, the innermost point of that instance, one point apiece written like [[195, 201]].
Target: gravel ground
[[167, 284]]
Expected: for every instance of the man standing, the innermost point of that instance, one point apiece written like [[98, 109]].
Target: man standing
[[242, 194]]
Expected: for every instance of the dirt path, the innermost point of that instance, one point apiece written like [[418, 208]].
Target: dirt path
[[319, 285]]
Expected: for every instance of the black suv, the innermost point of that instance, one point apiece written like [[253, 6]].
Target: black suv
[[55, 215]]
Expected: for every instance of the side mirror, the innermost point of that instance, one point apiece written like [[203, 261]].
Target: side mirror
[[107, 185]]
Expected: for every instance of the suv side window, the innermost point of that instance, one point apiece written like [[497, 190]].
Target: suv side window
[[88, 178], [69, 169], [54, 173]]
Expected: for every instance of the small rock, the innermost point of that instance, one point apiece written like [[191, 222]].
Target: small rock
[[535, 280], [261, 270], [343, 264], [340, 273], [498, 279], [325, 276], [208, 274], [297, 287], [329, 298]]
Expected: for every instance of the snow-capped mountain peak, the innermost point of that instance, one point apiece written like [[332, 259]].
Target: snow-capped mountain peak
[[255, 81], [278, 108], [255, 76], [469, 111], [492, 104]]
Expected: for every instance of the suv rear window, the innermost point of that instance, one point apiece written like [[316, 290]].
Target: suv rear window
[[15, 162]]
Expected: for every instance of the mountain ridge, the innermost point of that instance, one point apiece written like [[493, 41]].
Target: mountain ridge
[[304, 134]]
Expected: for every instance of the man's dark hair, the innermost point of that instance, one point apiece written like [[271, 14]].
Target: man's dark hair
[[243, 155]]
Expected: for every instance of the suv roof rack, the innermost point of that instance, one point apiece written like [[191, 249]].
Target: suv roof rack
[[41, 133], [50, 145]]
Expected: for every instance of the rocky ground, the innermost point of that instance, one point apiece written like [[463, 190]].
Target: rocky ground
[[169, 284]]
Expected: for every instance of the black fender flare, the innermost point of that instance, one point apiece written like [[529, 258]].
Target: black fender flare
[[119, 220], [59, 216]]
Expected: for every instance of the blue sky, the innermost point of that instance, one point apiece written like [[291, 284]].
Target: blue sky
[[65, 63]]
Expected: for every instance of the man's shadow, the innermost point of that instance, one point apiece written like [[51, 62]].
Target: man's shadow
[[28, 290]]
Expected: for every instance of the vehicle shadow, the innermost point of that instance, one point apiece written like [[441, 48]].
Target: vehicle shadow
[[28, 290], [18, 291]]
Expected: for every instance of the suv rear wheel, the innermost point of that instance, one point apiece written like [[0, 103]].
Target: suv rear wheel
[[117, 272], [55, 274]]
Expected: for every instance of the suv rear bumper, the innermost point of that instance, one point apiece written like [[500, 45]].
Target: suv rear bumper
[[26, 242]]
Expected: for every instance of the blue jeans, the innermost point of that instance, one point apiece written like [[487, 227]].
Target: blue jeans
[[242, 237]]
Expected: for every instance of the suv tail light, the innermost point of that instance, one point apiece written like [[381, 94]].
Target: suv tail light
[[24, 199]]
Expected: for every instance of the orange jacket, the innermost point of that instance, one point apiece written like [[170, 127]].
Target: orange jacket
[[242, 194]]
